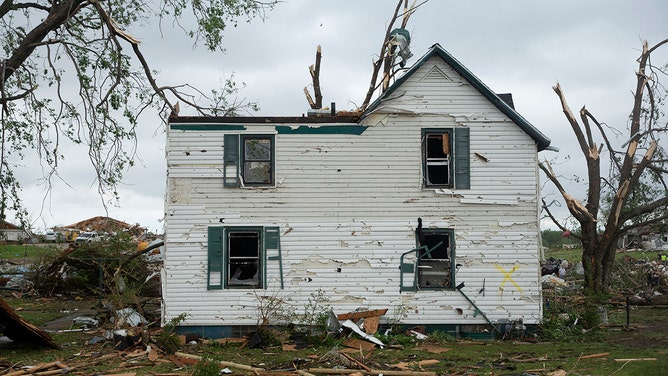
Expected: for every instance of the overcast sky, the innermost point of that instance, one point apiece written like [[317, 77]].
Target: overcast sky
[[518, 47]]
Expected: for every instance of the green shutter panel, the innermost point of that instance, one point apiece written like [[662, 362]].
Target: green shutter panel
[[231, 161], [272, 247], [462, 158], [215, 259]]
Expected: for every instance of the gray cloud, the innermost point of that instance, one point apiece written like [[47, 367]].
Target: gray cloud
[[521, 47]]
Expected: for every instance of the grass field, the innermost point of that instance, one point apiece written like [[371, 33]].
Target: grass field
[[27, 251]]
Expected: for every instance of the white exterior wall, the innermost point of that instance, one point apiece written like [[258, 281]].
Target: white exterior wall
[[347, 207]]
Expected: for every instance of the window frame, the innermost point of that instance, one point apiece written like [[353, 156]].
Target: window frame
[[269, 238], [423, 256], [459, 161], [228, 258], [436, 161], [243, 160]]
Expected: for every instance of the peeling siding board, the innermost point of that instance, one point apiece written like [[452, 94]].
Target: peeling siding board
[[347, 206]]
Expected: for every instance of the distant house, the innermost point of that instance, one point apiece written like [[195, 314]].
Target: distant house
[[12, 233], [427, 204], [103, 225]]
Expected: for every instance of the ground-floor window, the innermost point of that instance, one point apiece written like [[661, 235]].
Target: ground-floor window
[[237, 255], [435, 259]]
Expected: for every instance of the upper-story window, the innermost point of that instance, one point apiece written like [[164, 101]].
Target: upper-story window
[[446, 158], [249, 160], [257, 159]]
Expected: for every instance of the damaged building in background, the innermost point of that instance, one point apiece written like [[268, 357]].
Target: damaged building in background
[[426, 204]]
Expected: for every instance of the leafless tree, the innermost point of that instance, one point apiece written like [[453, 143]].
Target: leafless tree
[[635, 192]]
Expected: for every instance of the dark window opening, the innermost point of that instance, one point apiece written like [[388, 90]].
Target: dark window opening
[[435, 260], [243, 258], [437, 159]]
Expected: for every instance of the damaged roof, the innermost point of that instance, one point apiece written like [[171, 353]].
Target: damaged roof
[[101, 224], [437, 51]]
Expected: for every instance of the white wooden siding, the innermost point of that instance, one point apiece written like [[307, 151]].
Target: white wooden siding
[[347, 207]]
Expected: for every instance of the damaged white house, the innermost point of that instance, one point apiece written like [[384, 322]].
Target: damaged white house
[[427, 204]]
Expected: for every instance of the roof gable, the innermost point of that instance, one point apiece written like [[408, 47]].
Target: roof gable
[[437, 51]]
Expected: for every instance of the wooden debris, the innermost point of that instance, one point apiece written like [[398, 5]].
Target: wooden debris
[[599, 355], [356, 361], [19, 330], [354, 316], [358, 344], [42, 369], [221, 362], [371, 318], [634, 359], [421, 363], [339, 371]]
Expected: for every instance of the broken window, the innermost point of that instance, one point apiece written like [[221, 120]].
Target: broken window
[[445, 158], [248, 159], [435, 259], [238, 255], [257, 160], [437, 159], [243, 258]]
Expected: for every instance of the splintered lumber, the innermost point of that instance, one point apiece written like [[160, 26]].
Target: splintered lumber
[[339, 371], [354, 316], [221, 362], [356, 361], [19, 330]]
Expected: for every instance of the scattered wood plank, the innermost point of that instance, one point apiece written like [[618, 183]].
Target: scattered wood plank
[[354, 316], [421, 363], [19, 330], [339, 371], [358, 344], [634, 359], [221, 362], [371, 324], [599, 355]]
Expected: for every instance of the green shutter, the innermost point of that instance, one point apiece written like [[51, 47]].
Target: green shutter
[[272, 247], [231, 161], [215, 259], [462, 158]]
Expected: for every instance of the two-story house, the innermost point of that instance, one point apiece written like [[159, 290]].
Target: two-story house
[[426, 204]]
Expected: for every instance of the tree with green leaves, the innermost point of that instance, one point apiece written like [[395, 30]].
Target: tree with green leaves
[[70, 72], [634, 192]]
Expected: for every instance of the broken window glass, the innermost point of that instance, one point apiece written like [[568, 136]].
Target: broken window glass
[[243, 258], [257, 160], [437, 158], [435, 259]]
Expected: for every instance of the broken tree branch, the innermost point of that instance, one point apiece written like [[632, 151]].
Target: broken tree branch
[[314, 70]]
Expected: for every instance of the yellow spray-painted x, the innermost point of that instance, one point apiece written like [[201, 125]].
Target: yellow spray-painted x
[[508, 277]]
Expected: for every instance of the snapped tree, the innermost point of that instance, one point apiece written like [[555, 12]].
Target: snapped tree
[[69, 71], [634, 194]]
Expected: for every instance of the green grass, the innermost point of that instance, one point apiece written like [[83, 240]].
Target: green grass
[[575, 255], [490, 357], [26, 251]]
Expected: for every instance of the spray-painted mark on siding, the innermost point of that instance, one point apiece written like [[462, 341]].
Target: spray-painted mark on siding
[[508, 276]]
